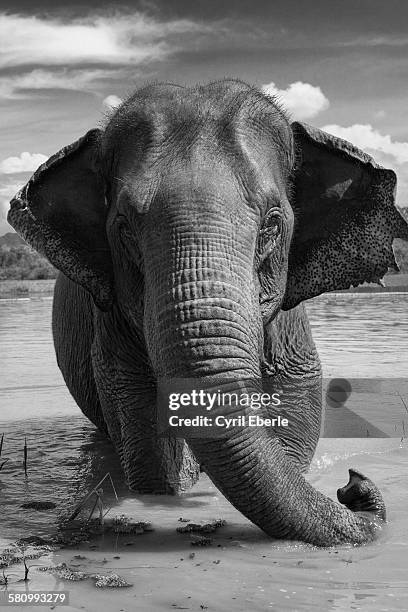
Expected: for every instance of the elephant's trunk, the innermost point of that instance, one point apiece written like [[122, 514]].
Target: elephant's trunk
[[203, 321]]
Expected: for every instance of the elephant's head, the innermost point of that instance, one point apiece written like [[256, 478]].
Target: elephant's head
[[201, 213]]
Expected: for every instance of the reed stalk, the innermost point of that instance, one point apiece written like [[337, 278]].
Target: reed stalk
[[25, 455], [94, 491]]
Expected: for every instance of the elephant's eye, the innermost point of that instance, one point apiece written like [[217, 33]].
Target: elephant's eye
[[129, 240], [124, 229], [269, 233], [271, 226], [126, 233]]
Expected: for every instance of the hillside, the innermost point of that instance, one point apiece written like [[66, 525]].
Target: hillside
[[19, 262], [11, 239]]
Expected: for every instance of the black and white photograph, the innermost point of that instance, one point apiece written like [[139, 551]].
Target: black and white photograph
[[204, 305]]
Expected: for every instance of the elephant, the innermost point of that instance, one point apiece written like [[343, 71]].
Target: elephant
[[189, 230]]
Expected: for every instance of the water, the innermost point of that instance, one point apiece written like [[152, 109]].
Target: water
[[362, 334], [358, 336]]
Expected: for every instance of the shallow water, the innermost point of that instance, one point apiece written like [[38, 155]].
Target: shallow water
[[358, 336], [361, 335]]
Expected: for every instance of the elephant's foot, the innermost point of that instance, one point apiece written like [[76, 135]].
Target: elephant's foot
[[361, 495]]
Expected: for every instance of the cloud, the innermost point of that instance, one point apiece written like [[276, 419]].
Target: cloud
[[19, 85], [385, 151], [302, 100], [109, 40], [111, 102], [26, 162], [7, 191], [82, 54], [366, 137], [375, 41], [379, 114]]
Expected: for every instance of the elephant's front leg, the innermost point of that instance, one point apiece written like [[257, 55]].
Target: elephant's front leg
[[293, 367], [127, 392]]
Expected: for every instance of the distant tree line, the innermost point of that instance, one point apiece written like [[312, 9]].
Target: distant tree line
[[401, 246], [401, 254], [23, 263]]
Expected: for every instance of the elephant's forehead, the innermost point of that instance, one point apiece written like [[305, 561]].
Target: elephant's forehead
[[170, 96], [226, 108], [227, 121]]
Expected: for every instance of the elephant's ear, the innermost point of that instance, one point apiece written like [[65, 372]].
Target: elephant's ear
[[61, 213], [345, 217]]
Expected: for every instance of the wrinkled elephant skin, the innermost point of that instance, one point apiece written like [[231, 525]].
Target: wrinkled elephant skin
[[188, 232]]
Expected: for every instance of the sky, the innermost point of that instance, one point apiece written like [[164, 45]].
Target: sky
[[342, 66]]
